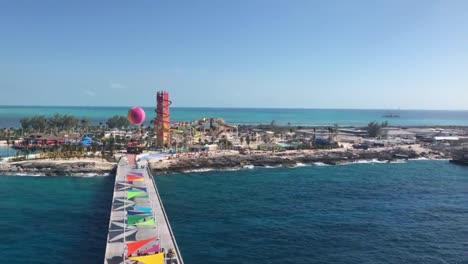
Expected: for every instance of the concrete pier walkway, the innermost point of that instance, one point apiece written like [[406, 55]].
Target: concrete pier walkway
[[139, 230]]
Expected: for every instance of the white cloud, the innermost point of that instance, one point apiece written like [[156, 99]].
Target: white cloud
[[117, 86], [89, 93]]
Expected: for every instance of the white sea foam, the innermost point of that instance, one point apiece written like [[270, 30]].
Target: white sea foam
[[420, 158], [272, 167], [198, 170], [28, 174], [232, 169], [249, 167], [372, 161], [40, 174], [88, 175], [300, 165], [320, 164], [397, 161], [424, 158]]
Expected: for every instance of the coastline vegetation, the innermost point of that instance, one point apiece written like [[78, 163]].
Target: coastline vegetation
[[374, 128], [72, 128]]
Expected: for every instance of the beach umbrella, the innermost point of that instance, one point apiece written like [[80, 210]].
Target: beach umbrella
[[136, 115]]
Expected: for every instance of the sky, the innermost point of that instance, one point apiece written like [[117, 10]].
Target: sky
[[244, 53]]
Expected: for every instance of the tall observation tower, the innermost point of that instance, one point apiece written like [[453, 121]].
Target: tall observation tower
[[161, 122]]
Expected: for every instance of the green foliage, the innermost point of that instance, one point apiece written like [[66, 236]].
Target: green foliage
[[117, 122], [25, 123], [69, 122], [57, 122], [225, 143], [38, 123], [84, 123], [374, 128]]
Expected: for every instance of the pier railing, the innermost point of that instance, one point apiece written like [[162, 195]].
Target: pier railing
[[176, 247]]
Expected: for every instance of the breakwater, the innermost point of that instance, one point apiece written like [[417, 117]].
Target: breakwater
[[139, 229]]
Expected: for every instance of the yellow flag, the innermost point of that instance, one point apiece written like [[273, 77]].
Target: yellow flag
[[150, 259]]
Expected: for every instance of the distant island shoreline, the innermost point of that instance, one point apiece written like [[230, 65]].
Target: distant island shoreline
[[234, 159], [224, 160]]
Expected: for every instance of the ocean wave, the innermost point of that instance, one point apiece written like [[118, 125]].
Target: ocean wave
[[198, 170], [320, 164], [397, 161], [272, 167], [232, 169], [28, 174], [41, 174], [88, 175], [424, 158], [299, 164], [372, 161], [420, 158]]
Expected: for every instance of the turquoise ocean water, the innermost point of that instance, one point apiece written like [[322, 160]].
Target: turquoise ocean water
[[361, 213], [414, 212], [10, 115], [4, 151], [54, 219]]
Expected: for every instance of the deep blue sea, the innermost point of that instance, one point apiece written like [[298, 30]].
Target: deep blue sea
[[414, 212], [54, 219], [10, 115], [362, 213]]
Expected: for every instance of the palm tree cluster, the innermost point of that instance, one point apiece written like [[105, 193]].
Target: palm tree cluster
[[56, 123], [117, 122]]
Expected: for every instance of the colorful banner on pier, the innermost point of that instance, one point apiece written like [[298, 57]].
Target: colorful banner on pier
[[146, 223], [134, 246], [131, 193], [132, 219], [134, 178], [156, 259], [143, 209], [153, 249]]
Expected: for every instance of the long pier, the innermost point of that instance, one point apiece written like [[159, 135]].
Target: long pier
[[139, 230]]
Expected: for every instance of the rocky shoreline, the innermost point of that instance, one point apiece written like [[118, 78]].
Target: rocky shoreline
[[58, 168], [219, 161], [223, 162]]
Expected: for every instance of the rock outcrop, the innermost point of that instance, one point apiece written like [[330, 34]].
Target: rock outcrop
[[53, 168], [276, 159]]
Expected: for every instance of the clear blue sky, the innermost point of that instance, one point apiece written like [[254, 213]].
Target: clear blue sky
[[252, 53]]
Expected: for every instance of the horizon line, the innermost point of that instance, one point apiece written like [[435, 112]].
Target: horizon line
[[235, 107]]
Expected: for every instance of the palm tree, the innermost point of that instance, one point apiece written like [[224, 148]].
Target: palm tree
[[85, 123], [25, 123]]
